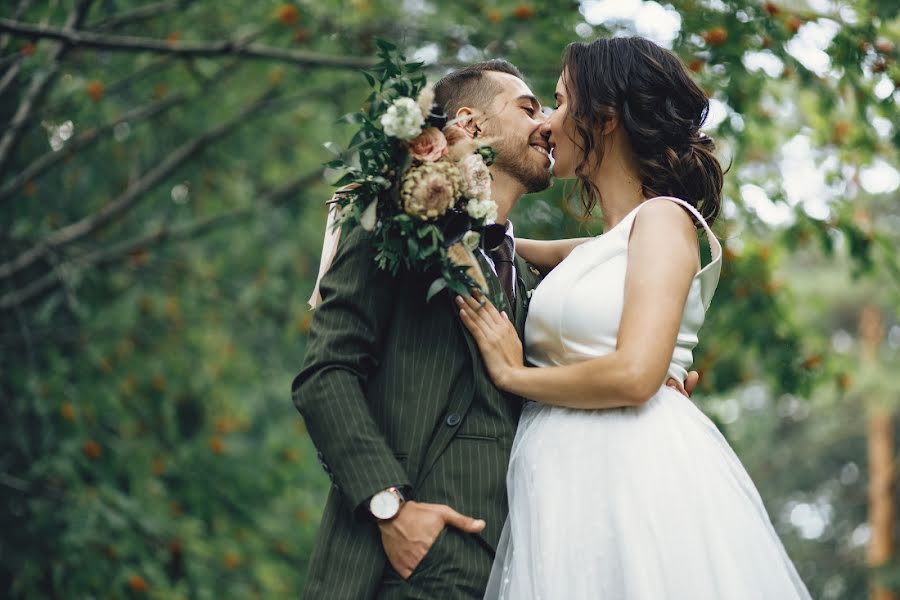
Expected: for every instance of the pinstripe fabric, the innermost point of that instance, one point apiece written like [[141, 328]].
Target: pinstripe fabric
[[394, 392]]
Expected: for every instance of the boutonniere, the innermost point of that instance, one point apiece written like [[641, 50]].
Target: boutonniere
[[528, 295]]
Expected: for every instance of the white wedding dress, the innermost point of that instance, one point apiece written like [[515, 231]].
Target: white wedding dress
[[646, 503]]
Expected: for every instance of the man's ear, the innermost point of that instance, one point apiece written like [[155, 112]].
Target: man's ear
[[465, 119]]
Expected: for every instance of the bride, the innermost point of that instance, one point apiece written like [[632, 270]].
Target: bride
[[619, 487]]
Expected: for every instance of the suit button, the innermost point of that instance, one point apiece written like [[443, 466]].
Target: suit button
[[453, 420]]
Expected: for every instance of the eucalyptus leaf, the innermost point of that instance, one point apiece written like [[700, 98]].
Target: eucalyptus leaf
[[436, 287], [333, 148], [369, 216]]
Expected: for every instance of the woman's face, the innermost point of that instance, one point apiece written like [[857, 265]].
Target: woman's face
[[561, 129]]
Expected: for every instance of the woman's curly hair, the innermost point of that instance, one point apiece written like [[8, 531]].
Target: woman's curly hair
[[661, 110]]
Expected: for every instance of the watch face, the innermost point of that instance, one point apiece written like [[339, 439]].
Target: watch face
[[384, 505]]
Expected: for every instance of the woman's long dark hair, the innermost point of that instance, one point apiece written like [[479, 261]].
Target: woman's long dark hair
[[661, 110]]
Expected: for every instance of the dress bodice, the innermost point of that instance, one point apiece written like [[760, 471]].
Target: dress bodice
[[575, 312]]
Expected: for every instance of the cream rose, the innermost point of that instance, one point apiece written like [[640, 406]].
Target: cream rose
[[476, 177]]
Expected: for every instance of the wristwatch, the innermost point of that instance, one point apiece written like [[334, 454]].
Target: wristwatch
[[386, 504]]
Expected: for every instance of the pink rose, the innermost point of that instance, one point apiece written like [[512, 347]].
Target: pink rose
[[454, 134], [429, 146]]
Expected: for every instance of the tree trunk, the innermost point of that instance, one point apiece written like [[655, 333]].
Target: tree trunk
[[882, 512]]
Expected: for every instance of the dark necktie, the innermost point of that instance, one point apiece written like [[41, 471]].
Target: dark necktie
[[502, 256]]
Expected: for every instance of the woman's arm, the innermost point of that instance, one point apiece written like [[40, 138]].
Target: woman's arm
[[546, 254], [662, 261]]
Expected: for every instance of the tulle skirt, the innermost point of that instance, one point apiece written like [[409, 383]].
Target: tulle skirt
[[634, 504]]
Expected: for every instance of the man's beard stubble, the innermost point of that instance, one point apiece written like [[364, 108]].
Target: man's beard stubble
[[514, 161]]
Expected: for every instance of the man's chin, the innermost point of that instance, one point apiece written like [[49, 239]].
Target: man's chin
[[539, 182]]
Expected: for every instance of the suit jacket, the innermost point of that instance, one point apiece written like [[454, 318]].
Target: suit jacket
[[393, 391]]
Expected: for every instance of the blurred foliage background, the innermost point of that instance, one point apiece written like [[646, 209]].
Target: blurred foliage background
[[161, 216]]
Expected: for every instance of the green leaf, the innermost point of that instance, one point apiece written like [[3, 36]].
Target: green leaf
[[385, 45], [436, 287], [369, 216], [354, 118]]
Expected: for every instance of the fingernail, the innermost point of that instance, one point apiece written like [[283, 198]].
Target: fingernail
[[479, 523]]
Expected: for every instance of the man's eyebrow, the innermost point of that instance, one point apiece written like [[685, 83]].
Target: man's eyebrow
[[534, 101]]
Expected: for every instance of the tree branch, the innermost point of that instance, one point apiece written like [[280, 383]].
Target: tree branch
[[68, 101], [40, 84], [142, 13], [116, 251], [133, 193], [20, 10], [16, 60], [237, 47], [48, 160]]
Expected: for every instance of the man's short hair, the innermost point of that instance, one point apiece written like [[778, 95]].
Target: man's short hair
[[469, 87]]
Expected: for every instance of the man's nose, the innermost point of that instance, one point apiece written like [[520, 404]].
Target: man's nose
[[544, 128]]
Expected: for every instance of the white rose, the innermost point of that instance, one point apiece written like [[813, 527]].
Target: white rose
[[403, 119], [471, 240], [491, 215], [476, 209], [482, 209]]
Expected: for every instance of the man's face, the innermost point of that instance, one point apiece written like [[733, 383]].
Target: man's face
[[513, 124]]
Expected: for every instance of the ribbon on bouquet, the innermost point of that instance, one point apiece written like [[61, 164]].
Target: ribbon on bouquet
[[329, 249]]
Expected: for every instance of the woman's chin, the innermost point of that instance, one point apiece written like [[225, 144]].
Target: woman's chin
[[563, 172]]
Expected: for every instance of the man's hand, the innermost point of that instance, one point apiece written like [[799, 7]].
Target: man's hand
[[690, 384], [408, 537]]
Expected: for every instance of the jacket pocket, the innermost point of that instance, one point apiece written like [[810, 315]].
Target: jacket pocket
[[476, 437], [431, 558]]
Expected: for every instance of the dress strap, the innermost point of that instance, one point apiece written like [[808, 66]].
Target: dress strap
[[709, 275]]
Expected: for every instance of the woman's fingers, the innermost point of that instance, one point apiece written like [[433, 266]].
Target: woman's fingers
[[471, 302], [490, 310], [471, 323], [471, 317]]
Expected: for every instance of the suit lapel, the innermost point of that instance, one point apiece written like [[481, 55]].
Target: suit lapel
[[521, 300], [460, 402]]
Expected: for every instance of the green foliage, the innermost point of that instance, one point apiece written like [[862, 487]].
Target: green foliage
[[148, 444]]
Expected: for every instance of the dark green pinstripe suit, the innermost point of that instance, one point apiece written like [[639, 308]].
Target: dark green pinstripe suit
[[394, 392]]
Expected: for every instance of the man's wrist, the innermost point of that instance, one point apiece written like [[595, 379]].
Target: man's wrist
[[386, 504]]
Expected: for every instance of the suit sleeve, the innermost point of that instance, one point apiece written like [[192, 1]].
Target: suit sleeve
[[345, 343]]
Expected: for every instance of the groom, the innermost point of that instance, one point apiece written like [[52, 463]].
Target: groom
[[409, 427]]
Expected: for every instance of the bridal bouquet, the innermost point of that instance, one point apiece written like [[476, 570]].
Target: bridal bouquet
[[422, 187]]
